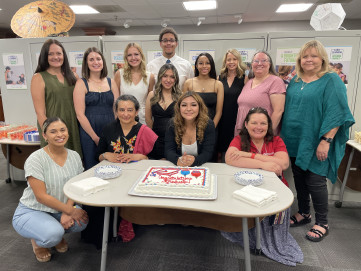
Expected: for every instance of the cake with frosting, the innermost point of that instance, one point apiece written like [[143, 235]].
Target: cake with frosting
[[195, 182]]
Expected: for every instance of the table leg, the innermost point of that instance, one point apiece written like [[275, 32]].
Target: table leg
[[247, 254], [115, 223], [103, 262], [338, 203], [8, 180], [258, 237]]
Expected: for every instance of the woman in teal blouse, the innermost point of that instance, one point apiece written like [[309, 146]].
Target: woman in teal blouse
[[315, 130]]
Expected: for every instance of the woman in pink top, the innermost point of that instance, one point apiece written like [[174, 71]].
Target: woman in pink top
[[264, 89]]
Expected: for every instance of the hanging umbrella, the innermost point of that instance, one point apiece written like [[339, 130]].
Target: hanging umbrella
[[42, 18]]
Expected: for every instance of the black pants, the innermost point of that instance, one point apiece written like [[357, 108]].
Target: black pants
[[308, 183]]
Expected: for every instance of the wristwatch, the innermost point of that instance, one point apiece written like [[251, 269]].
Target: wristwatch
[[327, 139]]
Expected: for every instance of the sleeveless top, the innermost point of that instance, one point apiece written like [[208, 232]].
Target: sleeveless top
[[210, 99], [161, 119], [59, 103], [139, 91], [94, 99], [229, 113], [99, 112]]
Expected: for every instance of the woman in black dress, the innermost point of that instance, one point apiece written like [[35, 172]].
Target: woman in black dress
[[233, 79], [159, 106]]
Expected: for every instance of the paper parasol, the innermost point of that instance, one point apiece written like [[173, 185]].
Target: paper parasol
[[42, 18]]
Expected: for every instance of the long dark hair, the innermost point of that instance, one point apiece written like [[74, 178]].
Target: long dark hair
[[85, 68], [158, 90], [43, 63], [201, 120], [245, 137], [212, 73]]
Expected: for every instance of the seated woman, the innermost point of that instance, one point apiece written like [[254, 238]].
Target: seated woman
[[122, 141], [159, 106], [125, 139], [44, 213], [256, 147], [190, 136]]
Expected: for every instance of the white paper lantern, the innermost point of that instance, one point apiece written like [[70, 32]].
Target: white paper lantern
[[327, 17]]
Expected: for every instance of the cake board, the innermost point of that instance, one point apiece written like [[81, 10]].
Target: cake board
[[212, 197]]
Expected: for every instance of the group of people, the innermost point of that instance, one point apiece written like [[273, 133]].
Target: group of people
[[164, 110]]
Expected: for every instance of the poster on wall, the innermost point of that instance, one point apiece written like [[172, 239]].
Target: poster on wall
[[340, 60], [117, 60], [286, 63], [153, 55], [76, 62], [247, 55], [193, 54], [14, 71]]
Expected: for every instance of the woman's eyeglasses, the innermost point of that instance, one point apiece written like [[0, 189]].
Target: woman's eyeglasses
[[262, 61]]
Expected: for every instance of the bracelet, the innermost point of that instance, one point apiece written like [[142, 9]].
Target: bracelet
[[104, 156], [253, 155]]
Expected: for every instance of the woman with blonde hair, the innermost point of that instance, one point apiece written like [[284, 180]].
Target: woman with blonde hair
[[159, 107], [233, 79], [190, 136], [134, 79], [315, 129]]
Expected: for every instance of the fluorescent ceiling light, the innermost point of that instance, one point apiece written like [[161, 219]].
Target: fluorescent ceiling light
[[200, 5], [83, 9], [293, 7]]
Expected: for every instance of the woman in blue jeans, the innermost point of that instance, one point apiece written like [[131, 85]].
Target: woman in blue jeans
[[44, 213]]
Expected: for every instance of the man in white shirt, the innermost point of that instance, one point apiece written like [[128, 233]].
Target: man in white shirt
[[168, 39]]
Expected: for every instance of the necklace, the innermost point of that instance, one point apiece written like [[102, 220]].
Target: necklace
[[97, 85], [51, 154], [303, 85]]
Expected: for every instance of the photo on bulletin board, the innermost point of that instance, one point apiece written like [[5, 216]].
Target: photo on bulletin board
[[340, 60], [117, 60], [76, 62], [247, 55], [193, 54], [286, 62], [14, 71]]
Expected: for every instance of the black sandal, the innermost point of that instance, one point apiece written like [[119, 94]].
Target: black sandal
[[319, 233], [306, 219]]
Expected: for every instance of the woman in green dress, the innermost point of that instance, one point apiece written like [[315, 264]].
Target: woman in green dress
[[52, 91]]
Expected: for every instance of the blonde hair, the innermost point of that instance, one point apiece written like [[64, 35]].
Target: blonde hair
[[128, 69], [321, 51], [241, 67], [158, 90], [201, 120]]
